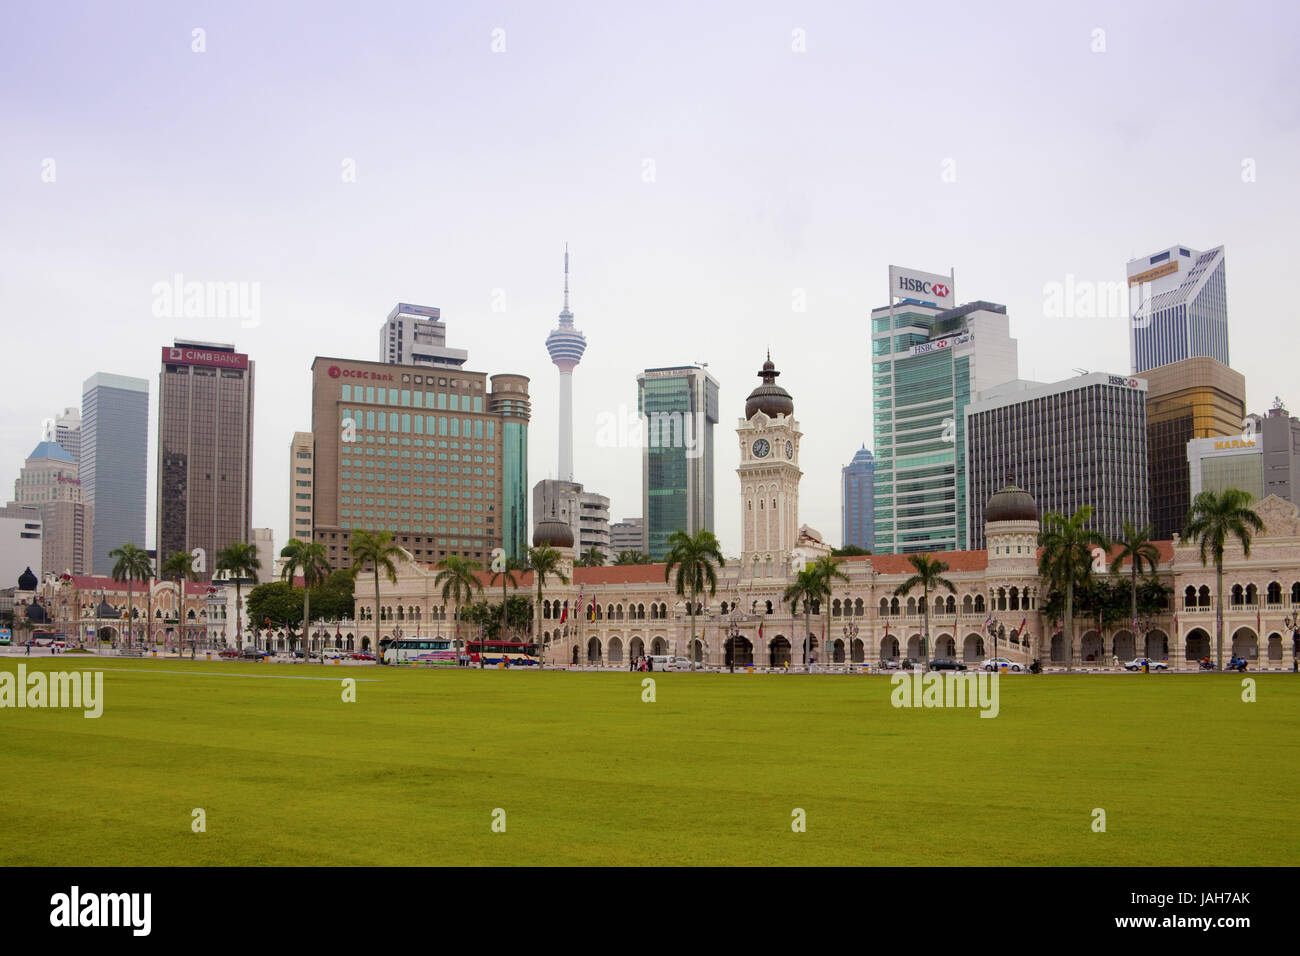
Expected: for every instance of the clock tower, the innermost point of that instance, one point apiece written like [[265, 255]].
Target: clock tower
[[769, 478]]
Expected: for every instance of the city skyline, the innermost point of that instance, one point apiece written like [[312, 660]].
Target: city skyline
[[710, 259]]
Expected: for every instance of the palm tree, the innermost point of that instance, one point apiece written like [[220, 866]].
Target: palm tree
[[806, 588], [1213, 520], [377, 549], [593, 557], [179, 566], [828, 570], [131, 564], [309, 559], [633, 557], [545, 562], [1135, 546], [929, 576], [240, 561], [693, 556], [458, 578], [1066, 560], [509, 578]]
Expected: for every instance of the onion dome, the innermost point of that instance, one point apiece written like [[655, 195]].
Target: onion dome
[[37, 614], [552, 532], [1011, 504], [27, 581], [769, 398]]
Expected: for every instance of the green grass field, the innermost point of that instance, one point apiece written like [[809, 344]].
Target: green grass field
[[409, 774]]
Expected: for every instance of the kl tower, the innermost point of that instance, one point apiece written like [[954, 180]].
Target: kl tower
[[566, 345]]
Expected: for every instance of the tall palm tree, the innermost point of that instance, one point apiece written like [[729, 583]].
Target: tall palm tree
[[308, 559], [239, 561], [633, 557], [1135, 547], [929, 577], [509, 575], [131, 564], [545, 562], [593, 557], [693, 557], [179, 567], [828, 571], [458, 578], [806, 588], [1066, 561], [377, 549], [1212, 522]]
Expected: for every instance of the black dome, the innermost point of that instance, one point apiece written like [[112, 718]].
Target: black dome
[[1011, 504], [769, 398], [552, 532], [107, 611], [27, 581], [37, 614]]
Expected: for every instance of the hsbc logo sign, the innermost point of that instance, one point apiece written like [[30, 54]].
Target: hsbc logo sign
[[908, 287], [925, 286]]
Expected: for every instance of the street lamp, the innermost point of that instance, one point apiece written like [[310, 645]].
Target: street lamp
[[1292, 623], [1144, 626]]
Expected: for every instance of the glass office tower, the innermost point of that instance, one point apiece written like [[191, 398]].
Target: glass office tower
[[678, 407], [114, 461], [926, 364]]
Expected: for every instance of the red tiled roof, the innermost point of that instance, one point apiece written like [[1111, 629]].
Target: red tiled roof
[[620, 574]]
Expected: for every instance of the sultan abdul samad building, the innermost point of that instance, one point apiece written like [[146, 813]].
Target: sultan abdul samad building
[[606, 616]]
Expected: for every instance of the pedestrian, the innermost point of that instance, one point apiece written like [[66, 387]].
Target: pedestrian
[[29, 648]]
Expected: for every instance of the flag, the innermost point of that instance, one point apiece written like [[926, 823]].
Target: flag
[[591, 611], [760, 630], [577, 607], [564, 613]]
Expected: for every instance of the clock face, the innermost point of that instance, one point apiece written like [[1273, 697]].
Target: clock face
[[789, 449], [761, 448]]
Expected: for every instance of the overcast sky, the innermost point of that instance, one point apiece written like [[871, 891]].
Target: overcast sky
[[710, 165]]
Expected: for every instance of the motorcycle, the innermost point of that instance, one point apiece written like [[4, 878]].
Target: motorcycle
[[1207, 665], [1035, 667], [1236, 664]]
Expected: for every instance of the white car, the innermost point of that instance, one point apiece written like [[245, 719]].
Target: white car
[[997, 663], [680, 664], [1136, 664]]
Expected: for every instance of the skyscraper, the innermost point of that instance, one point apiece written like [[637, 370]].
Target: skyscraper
[[67, 432], [48, 482], [205, 449], [114, 461], [566, 345], [1181, 307], [679, 406], [927, 362], [627, 535], [1263, 460], [416, 335], [857, 501], [1079, 442], [1195, 398], [436, 456], [586, 513], [302, 452]]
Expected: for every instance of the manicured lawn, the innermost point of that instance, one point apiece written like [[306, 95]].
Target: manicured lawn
[[587, 773]]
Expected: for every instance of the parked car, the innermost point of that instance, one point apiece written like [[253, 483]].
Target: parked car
[[997, 663], [680, 664], [888, 665], [229, 652], [363, 656], [1137, 662], [250, 653], [908, 664], [946, 664]]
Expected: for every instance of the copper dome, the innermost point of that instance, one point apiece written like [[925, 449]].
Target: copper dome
[[1011, 504], [769, 398]]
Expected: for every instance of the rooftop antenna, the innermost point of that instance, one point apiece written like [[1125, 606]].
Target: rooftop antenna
[[566, 277]]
